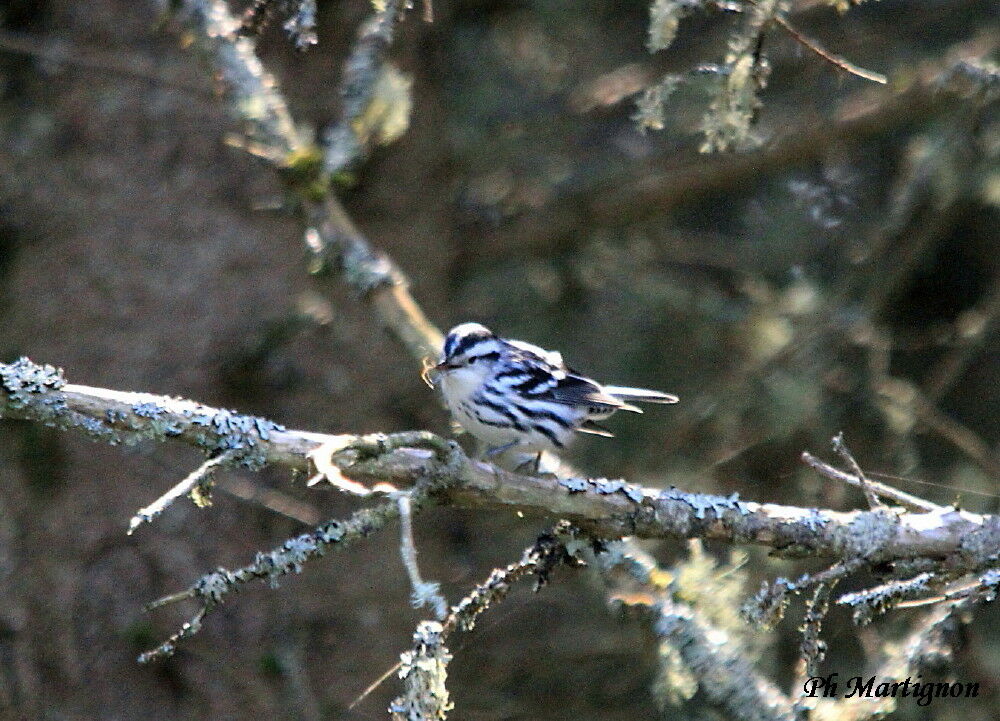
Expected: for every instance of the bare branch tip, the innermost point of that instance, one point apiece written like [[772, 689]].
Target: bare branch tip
[[172, 598], [197, 484]]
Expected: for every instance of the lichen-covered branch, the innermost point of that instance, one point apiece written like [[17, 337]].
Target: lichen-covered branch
[[251, 92], [352, 135], [727, 123], [40, 393], [736, 688], [619, 202], [211, 589], [336, 243], [926, 648], [424, 671], [300, 25], [538, 560], [695, 654], [767, 607], [606, 508], [196, 484], [253, 98], [424, 668]]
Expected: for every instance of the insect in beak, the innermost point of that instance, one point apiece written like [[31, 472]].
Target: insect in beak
[[429, 367]]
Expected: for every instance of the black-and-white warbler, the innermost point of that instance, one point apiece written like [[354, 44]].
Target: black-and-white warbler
[[514, 395]]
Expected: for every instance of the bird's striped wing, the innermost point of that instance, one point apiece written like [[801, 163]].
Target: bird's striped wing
[[577, 390], [538, 377]]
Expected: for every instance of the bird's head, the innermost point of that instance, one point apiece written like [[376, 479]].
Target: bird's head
[[469, 352]]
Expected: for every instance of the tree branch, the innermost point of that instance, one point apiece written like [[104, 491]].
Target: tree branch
[[914, 503], [350, 138], [196, 484], [743, 694], [652, 189], [423, 669], [829, 57], [940, 536], [254, 99], [252, 92], [602, 507], [288, 558], [691, 646]]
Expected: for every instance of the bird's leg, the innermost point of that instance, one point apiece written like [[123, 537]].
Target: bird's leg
[[497, 450], [532, 465]]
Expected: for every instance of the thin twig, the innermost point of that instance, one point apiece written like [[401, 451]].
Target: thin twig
[[374, 685], [171, 598], [812, 647], [425, 593], [829, 57], [986, 585], [288, 558], [960, 435], [879, 599], [196, 483], [424, 668], [906, 398], [169, 647], [841, 449], [914, 503]]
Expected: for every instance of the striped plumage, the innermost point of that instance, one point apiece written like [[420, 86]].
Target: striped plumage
[[511, 394]]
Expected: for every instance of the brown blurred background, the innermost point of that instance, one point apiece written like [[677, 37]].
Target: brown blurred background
[[843, 277]]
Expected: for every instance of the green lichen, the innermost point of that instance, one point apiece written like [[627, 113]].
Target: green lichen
[[303, 170]]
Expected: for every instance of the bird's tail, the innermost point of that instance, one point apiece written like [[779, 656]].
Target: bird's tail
[[639, 395]]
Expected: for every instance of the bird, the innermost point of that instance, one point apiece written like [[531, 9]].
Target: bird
[[512, 395]]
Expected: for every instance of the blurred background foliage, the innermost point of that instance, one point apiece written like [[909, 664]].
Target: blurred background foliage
[[843, 276]]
